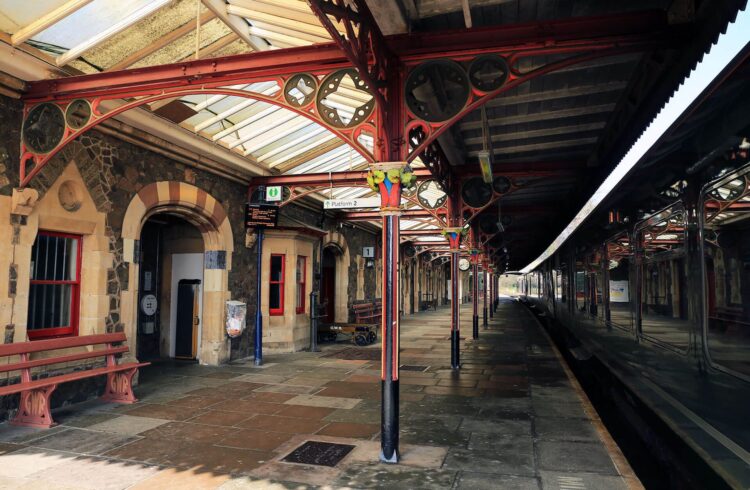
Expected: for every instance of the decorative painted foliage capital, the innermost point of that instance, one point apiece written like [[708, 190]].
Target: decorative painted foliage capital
[[388, 179], [454, 236]]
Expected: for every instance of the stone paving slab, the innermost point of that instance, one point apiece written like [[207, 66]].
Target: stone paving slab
[[324, 401], [483, 481], [575, 456], [509, 419], [28, 461], [96, 474], [365, 475], [82, 441], [127, 425], [590, 481]]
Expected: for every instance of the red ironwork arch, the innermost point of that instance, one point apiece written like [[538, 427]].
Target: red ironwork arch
[[348, 135]]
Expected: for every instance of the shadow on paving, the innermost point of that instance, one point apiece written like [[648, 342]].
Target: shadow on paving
[[508, 419]]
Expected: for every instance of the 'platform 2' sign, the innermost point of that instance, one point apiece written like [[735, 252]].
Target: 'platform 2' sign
[[261, 215]]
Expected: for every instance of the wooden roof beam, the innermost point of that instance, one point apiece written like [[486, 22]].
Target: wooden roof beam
[[563, 93], [536, 133], [541, 116], [238, 24]]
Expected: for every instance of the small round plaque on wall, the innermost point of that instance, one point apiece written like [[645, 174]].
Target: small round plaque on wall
[[149, 304], [70, 196]]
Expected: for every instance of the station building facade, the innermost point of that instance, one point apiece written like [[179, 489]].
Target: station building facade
[[110, 234]]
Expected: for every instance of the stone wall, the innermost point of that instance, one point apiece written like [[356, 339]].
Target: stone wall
[[113, 172]]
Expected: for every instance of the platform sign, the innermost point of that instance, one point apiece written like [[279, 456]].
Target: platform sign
[[363, 202], [266, 215], [273, 193]]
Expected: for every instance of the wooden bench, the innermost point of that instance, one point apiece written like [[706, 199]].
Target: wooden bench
[[367, 312], [428, 302], [34, 405]]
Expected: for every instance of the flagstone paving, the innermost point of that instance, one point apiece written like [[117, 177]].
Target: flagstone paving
[[509, 419]]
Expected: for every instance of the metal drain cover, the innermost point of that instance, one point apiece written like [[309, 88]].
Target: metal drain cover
[[413, 367], [319, 453]]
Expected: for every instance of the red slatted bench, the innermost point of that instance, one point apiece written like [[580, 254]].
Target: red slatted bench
[[34, 406], [367, 312]]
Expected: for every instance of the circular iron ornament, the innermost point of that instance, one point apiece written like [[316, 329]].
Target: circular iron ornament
[[44, 128], [506, 220], [729, 191], [445, 76], [330, 85], [501, 184], [300, 89], [464, 264], [78, 113], [476, 193], [488, 72], [431, 194]]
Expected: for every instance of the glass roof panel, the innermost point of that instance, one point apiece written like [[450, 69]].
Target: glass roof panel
[[16, 15], [89, 21], [295, 152]]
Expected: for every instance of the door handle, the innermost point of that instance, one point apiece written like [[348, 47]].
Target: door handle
[[196, 320]]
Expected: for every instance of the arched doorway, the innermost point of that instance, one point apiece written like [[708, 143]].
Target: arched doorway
[[334, 285], [170, 288], [194, 206], [328, 284]]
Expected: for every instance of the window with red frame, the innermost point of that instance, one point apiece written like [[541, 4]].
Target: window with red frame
[[301, 283], [55, 289], [276, 286]]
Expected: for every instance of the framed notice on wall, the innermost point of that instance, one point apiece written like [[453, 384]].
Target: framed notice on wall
[[618, 292], [266, 215]]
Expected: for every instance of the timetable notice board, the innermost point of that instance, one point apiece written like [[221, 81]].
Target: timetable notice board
[[266, 215]]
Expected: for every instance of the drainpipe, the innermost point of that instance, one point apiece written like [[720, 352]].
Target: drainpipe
[[258, 314]]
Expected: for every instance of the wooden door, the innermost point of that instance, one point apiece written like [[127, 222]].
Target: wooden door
[[328, 286]]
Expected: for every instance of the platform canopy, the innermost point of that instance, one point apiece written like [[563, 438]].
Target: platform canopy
[[552, 137]]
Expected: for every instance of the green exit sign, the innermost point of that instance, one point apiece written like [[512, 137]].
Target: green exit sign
[[273, 193]]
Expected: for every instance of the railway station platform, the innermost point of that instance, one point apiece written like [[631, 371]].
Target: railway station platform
[[512, 418]]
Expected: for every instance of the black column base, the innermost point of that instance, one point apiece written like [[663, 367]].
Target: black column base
[[389, 422], [475, 327], [485, 318], [455, 349]]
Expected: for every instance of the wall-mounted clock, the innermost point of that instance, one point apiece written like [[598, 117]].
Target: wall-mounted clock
[[464, 264]]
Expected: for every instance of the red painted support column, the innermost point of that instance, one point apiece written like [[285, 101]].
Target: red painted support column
[[454, 239], [492, 294], [387, 179], [475, 293], [485, 277]]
